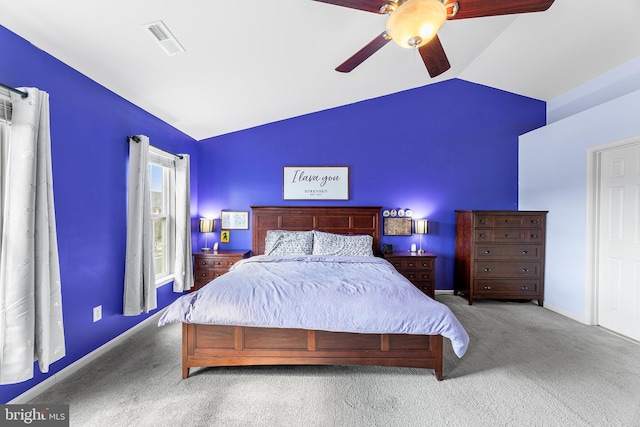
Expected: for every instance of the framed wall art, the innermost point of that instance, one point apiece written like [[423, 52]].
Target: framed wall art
[[397, 226], [234, 220], [315, 183]]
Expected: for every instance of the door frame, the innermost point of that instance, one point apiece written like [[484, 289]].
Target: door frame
[[594, 165]]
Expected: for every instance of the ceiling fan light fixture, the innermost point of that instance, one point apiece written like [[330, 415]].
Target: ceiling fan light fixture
[[415, 22]]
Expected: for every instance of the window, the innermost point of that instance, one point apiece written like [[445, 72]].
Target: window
[[162, 182]]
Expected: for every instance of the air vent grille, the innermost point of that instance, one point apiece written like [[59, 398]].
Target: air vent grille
[[167, 41]]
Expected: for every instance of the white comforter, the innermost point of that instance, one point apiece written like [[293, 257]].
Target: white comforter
[[330, 293]]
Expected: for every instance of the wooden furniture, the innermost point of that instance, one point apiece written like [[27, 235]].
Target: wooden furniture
[[215, 345], [418, 267], [207, 265], [500, 255]]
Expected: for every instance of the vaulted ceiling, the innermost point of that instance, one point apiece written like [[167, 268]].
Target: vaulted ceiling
[[253, 62]]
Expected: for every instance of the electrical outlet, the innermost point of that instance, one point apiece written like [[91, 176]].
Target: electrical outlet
[[97, 313]]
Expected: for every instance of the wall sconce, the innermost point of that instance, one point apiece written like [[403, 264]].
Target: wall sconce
[[420, 226], [206, 226]]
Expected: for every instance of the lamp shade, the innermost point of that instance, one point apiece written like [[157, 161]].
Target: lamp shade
[[415, 22], [206, 225], [421, 226]]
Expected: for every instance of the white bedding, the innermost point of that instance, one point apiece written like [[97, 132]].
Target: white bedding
[[330, 293]]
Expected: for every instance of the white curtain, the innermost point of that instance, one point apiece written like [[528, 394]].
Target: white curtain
[[31, 326], [183, 268], [139, 275]]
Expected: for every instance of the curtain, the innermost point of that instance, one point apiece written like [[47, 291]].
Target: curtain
[[31, 326], [183, 267], [139, 275]]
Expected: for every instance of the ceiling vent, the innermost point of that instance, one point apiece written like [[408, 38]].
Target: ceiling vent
[[165, 39]]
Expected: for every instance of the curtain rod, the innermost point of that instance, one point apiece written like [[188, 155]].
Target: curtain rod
[[14, 90], [136, 139]]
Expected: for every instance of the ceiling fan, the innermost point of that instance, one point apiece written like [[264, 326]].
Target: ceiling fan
[[415, 24]]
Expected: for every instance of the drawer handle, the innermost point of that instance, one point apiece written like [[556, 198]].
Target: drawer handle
[[525, 252], [525, 270], [525, 288], [410, 264], [204, 262], [487, 269], [534, 236], [483, 221], [483, 235], [508, 221], [506, 235], [487, 252], [487, 287], [534, 221], [203, 274]]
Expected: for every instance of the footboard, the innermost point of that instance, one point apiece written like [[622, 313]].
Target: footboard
[[215, 345]]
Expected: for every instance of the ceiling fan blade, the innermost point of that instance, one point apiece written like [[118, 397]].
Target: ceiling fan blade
[[479, 8], [434, 57], [366, 5], [360, 56]]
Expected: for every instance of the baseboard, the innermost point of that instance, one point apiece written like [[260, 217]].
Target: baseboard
[[566, 313], [80, 363]]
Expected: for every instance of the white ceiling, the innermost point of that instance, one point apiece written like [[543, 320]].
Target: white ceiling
[[253, 62]]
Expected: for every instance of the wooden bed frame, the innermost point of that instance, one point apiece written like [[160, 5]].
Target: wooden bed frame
[[216, 345]]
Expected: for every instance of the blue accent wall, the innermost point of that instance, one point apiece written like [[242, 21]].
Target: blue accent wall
[[89, 126], [447, 146]]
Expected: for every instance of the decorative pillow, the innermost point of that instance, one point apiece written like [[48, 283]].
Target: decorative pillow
[[280, 242], [341, 244]]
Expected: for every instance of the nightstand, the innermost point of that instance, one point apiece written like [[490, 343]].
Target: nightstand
[[207, 265], [419, 268]]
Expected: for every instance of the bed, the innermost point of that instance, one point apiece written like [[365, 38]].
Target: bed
[[240, 343]]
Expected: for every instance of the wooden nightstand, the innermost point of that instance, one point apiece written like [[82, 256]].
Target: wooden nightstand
[[419, 268], [208, 265]]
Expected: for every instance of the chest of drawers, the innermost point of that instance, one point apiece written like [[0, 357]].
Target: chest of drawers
[[500, 255], [419, 268], [207, 265]]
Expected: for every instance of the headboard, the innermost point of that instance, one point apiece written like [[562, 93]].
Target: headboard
[[339, 220]]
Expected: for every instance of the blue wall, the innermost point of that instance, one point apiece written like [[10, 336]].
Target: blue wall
[[89, 125], [451, 145]]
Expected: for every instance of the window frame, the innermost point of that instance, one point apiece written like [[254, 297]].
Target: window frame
[[158, 157]]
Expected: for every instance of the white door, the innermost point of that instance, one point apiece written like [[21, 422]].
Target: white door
[[619, 241]]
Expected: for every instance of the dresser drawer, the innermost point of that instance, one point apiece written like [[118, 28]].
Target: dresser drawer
[[488, 251], [509, 221], [404, 264], [507, 288], [216, 263], [425, 287], [208, 275], [415, 276], [508, 236], [484, 269]]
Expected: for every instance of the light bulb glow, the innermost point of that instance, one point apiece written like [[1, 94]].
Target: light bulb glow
[[415, 22]]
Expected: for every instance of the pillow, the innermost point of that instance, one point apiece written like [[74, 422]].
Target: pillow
[[280, 242], [340, 244]]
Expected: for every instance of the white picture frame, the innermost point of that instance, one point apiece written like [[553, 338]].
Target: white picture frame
[[234, 220], [315, 183]]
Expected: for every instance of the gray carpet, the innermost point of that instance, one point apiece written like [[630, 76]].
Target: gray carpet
[[526, 366]]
